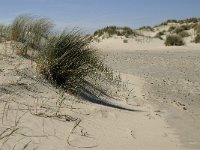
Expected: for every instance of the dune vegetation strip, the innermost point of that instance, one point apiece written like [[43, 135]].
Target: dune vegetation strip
[[169, 33], [65, 59]]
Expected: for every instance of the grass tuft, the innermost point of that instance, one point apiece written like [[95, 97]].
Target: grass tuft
[[159, 35], [113, 30], [184, 34], [197, 38], [4, 33], [30, 32], [67, 59], [174, 40]]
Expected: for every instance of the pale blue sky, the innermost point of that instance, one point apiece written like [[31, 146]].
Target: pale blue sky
[[92, 14]]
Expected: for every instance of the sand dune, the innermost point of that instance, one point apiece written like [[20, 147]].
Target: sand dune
[[157, 108], [141, 43]]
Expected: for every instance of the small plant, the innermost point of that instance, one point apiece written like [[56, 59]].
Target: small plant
[[184, 34], [174, 40], [197, 29], [172, 21], [4, 30], [147, 28], [197, 33], [159, 35], [197, 38], [172, 28], [126, 31], [186, 27], [125, 41], [163, 24], [178, 30]]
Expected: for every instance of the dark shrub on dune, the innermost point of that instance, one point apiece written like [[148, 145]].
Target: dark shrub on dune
[[197, 29], [114, 30], [172, 28], [159, 35], [184, 34], [197, 34], [177, 30], [197, 38], [174, 40], [147, 28]]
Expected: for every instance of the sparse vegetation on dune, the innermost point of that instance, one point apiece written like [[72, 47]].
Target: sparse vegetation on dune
[[197, 29], [184, 34], [30, 32], [64, 59], [197, 34], [171, 28], [147, 28], [159, 35], [174, 40], [125, 41], [4, 32], [197, 38], [179, 29], [1, 32], [186, 21], [113, 30]]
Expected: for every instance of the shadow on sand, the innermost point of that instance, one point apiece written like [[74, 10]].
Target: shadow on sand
[[89, 96]]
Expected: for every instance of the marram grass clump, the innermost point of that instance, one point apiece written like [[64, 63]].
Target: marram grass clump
[[29, 32], [67, 60], [4, 33]]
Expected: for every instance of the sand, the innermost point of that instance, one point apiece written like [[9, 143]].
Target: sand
[[171, 75], [33, 115], [141, 43]]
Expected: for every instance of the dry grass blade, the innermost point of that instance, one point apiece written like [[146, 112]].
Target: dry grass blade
[[8, 132], [72, 131]]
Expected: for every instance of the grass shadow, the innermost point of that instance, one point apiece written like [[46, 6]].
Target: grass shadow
[[87, 95]]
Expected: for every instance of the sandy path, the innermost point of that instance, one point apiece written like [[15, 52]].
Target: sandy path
[[172, 85]]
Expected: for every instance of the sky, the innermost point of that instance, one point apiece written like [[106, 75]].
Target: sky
[[90, 15]]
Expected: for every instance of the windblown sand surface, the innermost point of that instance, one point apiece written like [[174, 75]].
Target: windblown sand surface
[[172, 83], [161, 97]]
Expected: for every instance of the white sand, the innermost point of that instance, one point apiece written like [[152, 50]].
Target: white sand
[[171, 74], [27, 104]]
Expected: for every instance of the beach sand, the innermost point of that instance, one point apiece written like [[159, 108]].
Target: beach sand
[[172, 83], [161, 92]]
